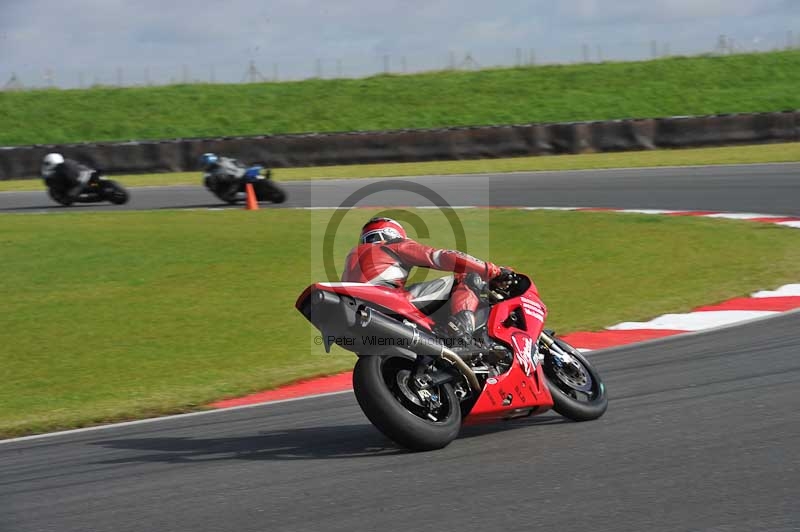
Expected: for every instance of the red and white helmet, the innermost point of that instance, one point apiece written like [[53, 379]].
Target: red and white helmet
[[381, 230]]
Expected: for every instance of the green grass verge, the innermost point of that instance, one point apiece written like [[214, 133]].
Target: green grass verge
[[664, 87], [113, 316], [766, 153]]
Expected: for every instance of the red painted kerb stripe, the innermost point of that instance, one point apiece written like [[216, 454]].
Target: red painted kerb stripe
[[332, 383]]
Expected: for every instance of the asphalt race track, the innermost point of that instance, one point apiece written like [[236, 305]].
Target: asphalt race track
[[768, 189], [701, 432]]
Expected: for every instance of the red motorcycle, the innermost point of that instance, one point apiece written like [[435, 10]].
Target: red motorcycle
[[418, 388]]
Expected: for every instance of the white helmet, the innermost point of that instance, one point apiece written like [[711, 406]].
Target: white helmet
[[49, 163]]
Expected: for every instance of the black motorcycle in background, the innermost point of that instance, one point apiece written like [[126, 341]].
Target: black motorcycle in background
[[95, 188]]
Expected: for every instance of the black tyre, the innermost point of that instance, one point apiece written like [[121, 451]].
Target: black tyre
[[380, 386], [59, 197], [578, 392], [231, 192], [272, 192], [115, 193]]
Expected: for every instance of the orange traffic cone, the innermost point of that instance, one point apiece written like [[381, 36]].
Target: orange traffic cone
[[252, 202]]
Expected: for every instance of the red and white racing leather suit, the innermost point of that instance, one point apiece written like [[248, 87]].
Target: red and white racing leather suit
[[389, 264]]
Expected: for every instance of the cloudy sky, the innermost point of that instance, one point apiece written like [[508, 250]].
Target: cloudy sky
[[160, 40]]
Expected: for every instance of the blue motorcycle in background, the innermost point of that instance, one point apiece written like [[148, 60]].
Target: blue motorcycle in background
[[228, 178]]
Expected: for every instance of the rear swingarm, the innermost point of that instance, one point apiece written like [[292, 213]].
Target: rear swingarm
[[423, 379]]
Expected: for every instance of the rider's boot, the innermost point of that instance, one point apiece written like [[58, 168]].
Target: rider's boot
[[74, 193], [460, 328]]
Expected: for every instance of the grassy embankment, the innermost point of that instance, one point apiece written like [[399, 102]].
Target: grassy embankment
[[664, 87], [676, 86]]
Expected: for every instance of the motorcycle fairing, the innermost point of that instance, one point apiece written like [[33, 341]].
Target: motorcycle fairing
[[521, 391]]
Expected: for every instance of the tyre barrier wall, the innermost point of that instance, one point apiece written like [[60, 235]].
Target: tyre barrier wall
[[414, 145]]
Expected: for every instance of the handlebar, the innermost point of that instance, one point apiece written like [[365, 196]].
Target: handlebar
[[504, 286]]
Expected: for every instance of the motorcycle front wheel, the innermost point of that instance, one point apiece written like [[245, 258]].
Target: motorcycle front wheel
[[59, 197], [577, 390], [226, 192], [419, 423], [115, 193], [269, 191]]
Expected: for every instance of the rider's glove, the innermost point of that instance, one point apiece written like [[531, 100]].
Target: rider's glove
[[504, 279], [492, 271]]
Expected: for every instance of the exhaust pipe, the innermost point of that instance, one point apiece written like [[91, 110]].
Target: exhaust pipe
[[419, 341]]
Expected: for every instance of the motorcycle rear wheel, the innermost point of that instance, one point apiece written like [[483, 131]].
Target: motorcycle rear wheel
[[578, 395], [380, 386]]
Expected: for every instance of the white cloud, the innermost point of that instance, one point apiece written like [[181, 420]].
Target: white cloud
[[100, 35], [664, 11]]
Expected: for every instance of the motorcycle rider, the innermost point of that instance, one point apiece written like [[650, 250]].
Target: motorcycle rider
[[222, 174], [385, 256], [66, 175]]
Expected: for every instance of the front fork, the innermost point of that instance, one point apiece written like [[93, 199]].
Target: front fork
[[561, 359]]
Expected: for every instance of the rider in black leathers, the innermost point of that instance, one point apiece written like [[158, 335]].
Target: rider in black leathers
[[67, 177]]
